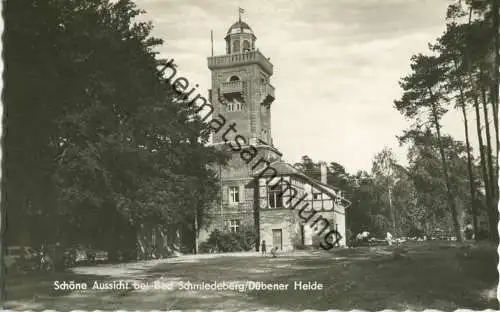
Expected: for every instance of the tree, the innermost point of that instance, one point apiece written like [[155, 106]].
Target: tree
[[424, 170], [383, 166], [109, 138], [469, 50], [451, 48], [423, 93]]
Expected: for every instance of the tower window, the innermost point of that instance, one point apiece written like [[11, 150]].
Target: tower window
[[234, 106], [236, 46], [246, 46]]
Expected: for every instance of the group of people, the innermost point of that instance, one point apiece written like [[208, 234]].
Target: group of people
[[364, 237], [263, 249], [360, 237]]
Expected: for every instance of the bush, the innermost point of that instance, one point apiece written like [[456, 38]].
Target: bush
[[206, 247], [248, 238], [243, 240], [300, 247], [415, 232], [483, 234]]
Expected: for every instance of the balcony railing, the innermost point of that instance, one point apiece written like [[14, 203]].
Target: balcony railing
[[252, 57], [248, 205], [231, 87], [268, 94]]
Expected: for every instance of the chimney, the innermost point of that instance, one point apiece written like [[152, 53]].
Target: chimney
[[324, 172]]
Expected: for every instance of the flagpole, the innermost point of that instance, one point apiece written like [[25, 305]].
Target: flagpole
[[240, 10], [212, 41]]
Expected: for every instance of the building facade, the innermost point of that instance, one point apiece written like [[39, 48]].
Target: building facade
[[286, 208]]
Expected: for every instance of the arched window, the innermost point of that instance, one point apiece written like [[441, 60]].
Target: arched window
[[234, 78], [236, 46], [246, 46]]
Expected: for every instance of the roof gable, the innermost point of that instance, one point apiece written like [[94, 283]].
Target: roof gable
[[284, 169]]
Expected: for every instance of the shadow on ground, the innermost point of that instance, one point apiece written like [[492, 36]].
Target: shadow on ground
[[437, 276]]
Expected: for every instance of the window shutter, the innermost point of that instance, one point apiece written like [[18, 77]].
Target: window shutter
[[287, 192], [263, 194], [225, 194], [242, 193]]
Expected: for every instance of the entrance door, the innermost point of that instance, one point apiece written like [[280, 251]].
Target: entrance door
[[278, 239]]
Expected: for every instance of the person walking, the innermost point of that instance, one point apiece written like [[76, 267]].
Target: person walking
[[263, 248], [389, 239], [58, 257]]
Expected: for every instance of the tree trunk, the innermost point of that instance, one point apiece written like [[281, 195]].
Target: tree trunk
[[495, 96], [483, 161], [496, 73], [492, 181], [451, 200], [491, 214], [469, 166], [489, 150], [196, 233], [391, 207], [469, 156]]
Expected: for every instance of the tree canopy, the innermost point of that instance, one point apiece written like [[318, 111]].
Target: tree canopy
[[93, 131]]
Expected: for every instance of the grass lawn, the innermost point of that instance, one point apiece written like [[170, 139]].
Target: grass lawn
[[432, 275]]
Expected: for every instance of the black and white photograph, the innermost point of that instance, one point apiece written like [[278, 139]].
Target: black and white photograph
[[250, 155]]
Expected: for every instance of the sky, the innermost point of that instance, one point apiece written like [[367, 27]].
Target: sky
[[337, 64]]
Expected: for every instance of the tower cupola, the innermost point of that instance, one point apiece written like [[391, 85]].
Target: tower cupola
[[240, 38]]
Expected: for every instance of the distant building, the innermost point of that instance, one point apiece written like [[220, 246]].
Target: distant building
[[243, 94]]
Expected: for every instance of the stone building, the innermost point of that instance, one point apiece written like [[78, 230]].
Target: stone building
[[286, 208]]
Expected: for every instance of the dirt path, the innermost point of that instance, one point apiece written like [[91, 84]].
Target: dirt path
[[430, 276]]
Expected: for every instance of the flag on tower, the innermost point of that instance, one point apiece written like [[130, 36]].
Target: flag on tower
[[241, 11]]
